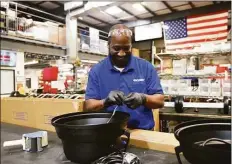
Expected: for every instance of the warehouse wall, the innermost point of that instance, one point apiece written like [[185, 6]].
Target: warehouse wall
[[33, 74], [19, 69]]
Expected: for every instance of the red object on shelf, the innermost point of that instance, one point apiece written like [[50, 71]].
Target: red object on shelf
[[50, 74], [46, 87], [221, 69], [218, 69], [54, 90]]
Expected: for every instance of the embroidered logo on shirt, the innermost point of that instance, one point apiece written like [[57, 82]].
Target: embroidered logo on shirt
[[138, 80]]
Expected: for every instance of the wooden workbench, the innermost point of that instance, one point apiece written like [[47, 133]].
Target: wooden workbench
[[54, 154]]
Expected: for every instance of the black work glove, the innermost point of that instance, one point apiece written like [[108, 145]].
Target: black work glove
[[134, 100], [114, 98]]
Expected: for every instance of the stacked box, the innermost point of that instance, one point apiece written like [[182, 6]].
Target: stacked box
[[226, 87], [62, 36], [215, 88], [204, 87], [165, 86], [173, 87], [184, 87]]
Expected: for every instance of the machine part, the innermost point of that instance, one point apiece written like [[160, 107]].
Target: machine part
[[119, 157], [179, 104], [90, 132], [227, 105], [199, 141], [31, 142]]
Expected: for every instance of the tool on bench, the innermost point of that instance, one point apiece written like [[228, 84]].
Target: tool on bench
[[31, 142], [112, 114]]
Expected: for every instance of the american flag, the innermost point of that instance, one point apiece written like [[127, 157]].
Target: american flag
[[190, 32]]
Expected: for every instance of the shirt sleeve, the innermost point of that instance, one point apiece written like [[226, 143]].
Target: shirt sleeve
[[92, 89], [153, 85]]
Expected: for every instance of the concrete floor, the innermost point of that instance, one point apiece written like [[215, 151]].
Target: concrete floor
[[53, 154]]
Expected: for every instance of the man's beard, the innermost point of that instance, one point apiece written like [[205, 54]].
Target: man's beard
[[120, 61]]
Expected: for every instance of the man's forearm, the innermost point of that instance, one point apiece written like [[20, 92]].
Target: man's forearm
[[93, 105], [154, 101]]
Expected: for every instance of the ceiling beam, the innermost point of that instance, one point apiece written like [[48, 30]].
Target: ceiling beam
[[148, 10], [128, 12], [180, 14], [114, 17], [191, 4], [99, 20], [168, 6], [194, 11], [39, 13], [91, 25], [41, 2], [57, 3], [58, 11]]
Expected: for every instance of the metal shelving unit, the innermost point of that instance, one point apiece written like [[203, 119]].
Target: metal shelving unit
[[170, 76], [194, 96], [188, 55], [92, 53], [32, 41]]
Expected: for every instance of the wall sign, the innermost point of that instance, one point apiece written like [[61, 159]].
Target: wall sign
[[147, 32], [8, 58]]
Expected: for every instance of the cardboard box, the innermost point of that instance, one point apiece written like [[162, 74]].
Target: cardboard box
[[36, 112], [167, 63], [135, 52], [46, 109], [53, 34], [18, 111], [62, 36]]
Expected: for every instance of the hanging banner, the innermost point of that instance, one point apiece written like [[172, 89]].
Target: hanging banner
[[94, 40], [8, 58]]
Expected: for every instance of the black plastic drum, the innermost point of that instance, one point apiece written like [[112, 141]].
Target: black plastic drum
[[86, 136]]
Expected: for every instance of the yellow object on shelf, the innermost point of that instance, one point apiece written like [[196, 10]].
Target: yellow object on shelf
[[135, 52]]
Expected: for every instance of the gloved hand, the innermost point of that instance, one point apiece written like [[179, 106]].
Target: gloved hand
[[114, 98], [134, 100]]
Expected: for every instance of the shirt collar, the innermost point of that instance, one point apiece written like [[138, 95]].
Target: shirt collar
[[129, 67]]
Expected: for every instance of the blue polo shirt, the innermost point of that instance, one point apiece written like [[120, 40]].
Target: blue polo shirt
[[139, 76]]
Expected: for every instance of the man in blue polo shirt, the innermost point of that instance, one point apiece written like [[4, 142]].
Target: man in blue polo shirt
[[124, 80]]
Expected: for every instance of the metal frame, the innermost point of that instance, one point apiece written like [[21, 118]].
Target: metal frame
[[32, 41], [196, 105], [168, 6], [57, 96], [128, 12], [148, 10]]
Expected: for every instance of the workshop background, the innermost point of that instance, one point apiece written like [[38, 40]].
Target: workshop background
[[48, 48]]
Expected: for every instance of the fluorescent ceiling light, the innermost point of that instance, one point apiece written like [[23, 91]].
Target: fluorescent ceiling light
[[143, 3], [89, 61], [113, 10], [81, 18], [71, 5], [138, 7], [31, 62]]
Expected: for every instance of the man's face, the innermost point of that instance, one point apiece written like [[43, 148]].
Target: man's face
[[120, 50]]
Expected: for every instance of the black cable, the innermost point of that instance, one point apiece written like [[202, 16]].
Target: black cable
[[119, 158]]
